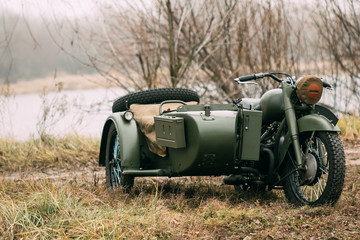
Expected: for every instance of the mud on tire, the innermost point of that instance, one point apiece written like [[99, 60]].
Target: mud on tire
[[154, 96]]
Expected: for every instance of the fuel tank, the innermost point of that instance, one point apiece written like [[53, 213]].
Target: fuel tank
[[272, 106], [210, 142]]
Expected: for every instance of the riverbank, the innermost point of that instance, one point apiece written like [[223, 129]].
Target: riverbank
[[69, 82]]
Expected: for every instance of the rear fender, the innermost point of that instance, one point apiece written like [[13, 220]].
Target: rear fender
[[128, 140], [308, 123]]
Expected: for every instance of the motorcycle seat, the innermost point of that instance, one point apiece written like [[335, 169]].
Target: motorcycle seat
[[251, 103]]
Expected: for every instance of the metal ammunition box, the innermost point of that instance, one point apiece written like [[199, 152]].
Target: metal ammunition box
[[251, 131], [170, 131]]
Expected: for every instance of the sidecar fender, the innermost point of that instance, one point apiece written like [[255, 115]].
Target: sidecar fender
[[308, 123], [128, 140]]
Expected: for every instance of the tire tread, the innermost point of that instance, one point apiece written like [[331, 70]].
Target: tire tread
[[153, 96]]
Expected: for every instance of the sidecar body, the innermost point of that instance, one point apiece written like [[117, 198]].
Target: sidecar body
[[192, 140]]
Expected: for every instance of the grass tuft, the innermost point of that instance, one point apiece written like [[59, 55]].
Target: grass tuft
[[66, 152], [350, 127]]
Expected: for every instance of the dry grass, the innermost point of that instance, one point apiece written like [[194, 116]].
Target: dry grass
[[51, 152], [350, 126], [157, 208], [169, 209]]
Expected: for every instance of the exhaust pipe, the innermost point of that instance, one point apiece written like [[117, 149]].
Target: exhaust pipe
[[239, 179], [233, 179]]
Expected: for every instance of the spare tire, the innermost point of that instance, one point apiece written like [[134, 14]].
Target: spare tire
[[153, 96]]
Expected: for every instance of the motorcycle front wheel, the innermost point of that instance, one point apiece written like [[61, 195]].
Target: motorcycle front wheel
[[322, 180], [114, 176]]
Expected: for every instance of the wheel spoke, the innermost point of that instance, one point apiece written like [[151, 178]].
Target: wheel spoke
[[318, 190], [116, 147], [320, 184], [115, 163], [324, 180], [312, 193], [306, 192], [315, 193], [324, 171], [116, 177], [116, 170]]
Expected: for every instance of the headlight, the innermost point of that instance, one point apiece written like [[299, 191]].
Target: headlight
[[128, 115], [309, 89]]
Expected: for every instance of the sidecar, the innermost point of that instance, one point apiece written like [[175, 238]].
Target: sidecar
[[173, 138]]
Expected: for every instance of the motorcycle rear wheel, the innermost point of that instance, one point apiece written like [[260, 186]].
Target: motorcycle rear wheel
[[114, 176], [323, 181]]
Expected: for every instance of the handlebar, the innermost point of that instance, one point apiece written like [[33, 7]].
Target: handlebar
[[272, 75], [327, 85], [249, 77], [261, 75]]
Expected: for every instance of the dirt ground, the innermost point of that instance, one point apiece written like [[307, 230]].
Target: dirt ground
[[352, 152]]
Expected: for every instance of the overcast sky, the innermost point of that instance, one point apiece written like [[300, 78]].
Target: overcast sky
[[74, 8], [50, 8]]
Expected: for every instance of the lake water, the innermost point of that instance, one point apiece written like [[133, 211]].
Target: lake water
[[81, 111]]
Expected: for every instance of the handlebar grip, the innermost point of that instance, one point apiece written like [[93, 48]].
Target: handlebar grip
[[246, 78], [327, 85], [250, 77]]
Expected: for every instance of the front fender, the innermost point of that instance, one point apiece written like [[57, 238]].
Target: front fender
[[308, 123], [316, 122], [128, 140]]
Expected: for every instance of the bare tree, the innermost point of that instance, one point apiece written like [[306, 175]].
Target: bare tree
[[259, 37], [144, 46], [187, 43], [339, 26], [197, 25], [7, 28]]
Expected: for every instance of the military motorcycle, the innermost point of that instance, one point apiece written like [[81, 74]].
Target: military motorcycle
[[284, 140]]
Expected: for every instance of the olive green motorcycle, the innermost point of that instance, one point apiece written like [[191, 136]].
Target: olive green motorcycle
[[283, 140]]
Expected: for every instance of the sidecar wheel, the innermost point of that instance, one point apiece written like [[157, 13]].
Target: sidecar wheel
[[154, 96], [114, 176], [323, 181]]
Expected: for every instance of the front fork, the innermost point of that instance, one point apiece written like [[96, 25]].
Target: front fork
[[292, 121]]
